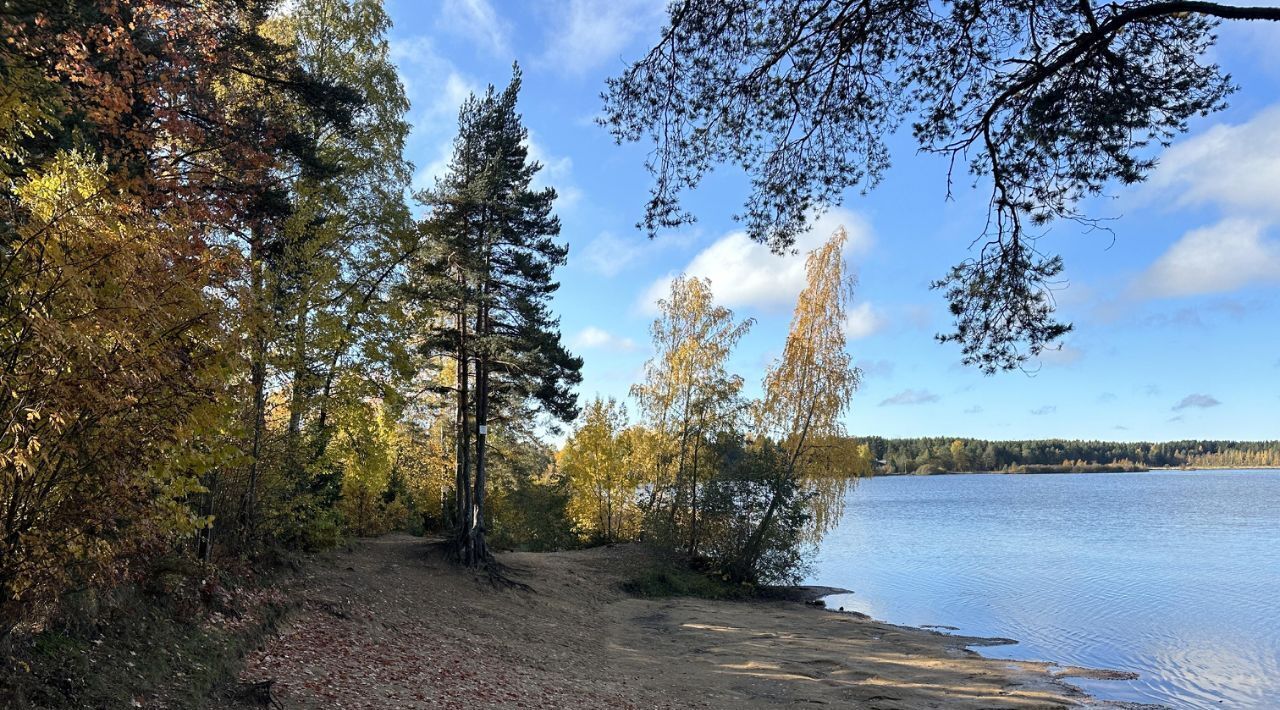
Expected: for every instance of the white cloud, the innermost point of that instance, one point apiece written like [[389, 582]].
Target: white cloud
[[587, 34], [1249, 44], [568, 196], [1064, 354], [436, 90], [593, 338], [875, 368], [447, 102], [1203, 315], [417, 50], [435, 87], [1042, 411], [1199, 401], [608, 254], [479, 22], [863, 320], [557, 172], [745, 273], [1223, 257], [910, 396], [1235, 167], [553, 168]]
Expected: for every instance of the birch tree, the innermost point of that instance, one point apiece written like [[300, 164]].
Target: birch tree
[[602, 479], [807, 391], [324, 331], [687, 394]]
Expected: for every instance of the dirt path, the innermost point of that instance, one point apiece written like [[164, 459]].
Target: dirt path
[[391, 624]]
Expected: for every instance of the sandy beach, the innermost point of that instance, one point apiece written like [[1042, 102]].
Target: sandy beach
[[390, 623]]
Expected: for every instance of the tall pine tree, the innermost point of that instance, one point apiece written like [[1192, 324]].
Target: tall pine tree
[[489, 277]]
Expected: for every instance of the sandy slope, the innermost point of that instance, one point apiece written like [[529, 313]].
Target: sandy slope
[[390, 624]]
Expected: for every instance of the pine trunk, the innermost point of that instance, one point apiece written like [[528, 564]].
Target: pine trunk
[[479, 549], [479, 552], [258, 380], [464, 443]]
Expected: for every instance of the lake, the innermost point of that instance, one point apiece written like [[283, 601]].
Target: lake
[[1174, 575]]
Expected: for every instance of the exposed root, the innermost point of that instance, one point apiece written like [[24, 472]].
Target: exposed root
[[484, 563], [499, 577], [258, 693]]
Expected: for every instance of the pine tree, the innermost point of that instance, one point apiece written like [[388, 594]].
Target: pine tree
[[491, 269]]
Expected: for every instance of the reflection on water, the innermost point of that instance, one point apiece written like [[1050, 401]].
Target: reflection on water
[[1174, 575]]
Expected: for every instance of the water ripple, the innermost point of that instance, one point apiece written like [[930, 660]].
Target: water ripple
[[1173, 575]]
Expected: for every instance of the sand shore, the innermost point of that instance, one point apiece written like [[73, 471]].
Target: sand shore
[[391, 624]]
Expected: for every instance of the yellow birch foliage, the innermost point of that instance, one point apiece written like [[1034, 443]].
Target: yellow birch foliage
[[427, 456], [808, 388], [428, 452], [687, 390], [602, 477], [364, 446]]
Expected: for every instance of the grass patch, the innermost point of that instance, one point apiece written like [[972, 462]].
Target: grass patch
[[141, 647], [674, 580]]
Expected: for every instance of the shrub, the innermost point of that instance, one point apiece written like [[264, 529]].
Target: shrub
[[738, 541]]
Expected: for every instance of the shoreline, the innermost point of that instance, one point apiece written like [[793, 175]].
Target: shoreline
[[905, 474], [390, 623], [1059, 672]]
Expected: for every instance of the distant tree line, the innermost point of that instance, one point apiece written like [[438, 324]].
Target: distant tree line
[[936, 454]]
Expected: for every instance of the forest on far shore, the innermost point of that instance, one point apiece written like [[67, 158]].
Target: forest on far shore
[[941, 454]]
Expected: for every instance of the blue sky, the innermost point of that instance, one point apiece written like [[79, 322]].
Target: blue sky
[[1175, 313]]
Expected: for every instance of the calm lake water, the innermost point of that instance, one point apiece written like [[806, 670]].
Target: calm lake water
[[1173, 575]]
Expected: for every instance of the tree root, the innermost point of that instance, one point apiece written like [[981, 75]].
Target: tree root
[[258, 693], [499, 576]]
